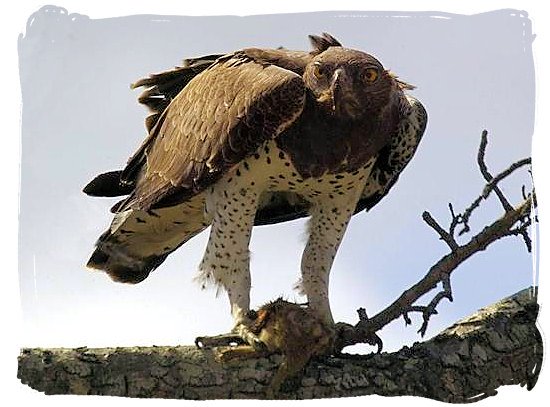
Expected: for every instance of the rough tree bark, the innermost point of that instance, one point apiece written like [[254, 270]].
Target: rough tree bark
[[499, 345]]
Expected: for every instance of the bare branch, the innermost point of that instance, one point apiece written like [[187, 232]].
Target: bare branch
[[440, 272], [443, 234], [492, 184], [455, 220], [523, 231], [485, 172], [514, 222]]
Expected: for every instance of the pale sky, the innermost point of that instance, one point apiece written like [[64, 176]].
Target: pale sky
[[80, 118]]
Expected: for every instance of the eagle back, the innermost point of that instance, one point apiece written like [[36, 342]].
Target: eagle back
[[221, 116]]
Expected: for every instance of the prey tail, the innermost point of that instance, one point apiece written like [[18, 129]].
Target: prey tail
[[138, 241]]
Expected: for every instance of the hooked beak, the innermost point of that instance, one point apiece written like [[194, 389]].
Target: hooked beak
[[344, 102], [338, 78]]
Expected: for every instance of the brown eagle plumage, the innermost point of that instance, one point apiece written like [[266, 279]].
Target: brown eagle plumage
[[257, 136]]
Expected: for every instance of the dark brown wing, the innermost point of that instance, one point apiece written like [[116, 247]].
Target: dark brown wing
[[162, 87], [223, 115]]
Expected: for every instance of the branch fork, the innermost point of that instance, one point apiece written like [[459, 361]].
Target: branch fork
[[516, 221]]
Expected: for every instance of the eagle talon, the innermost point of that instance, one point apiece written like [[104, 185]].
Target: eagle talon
[[208, 342], [347, 335], [245, 333]]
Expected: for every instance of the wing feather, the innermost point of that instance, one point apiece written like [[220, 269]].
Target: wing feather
[[395, 158], [201, 135]]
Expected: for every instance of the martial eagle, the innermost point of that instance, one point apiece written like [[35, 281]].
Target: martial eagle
[[252, 137]]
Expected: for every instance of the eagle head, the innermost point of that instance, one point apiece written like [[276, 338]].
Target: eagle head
[[348, 84]]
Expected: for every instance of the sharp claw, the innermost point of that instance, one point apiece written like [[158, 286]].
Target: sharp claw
[[207, 342], [259, 346], [240, 335], [244, 332], [350, 335]]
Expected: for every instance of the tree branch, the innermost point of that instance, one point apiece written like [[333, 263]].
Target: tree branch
[[485, 172], [365, 330], [442, 269], [447, 237], [497, 346]]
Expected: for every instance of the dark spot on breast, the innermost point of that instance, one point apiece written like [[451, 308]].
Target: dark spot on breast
[[238, 173], [139, 220]]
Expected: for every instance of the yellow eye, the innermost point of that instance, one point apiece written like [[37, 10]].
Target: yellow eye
[[370, 75], [318, 71]]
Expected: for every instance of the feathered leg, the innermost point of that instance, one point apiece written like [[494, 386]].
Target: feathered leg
[[328, 223], [226, 262]]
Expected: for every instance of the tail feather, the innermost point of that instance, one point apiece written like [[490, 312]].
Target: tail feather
[[137, 242], [108, 184]]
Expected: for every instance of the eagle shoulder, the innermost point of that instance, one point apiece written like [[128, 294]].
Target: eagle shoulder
[[393, 159], [219, 118]]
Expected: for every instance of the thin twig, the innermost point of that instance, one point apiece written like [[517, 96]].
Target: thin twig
[[455, 220], [443, 234], [489, 187], [485, 172], [493, 183]]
